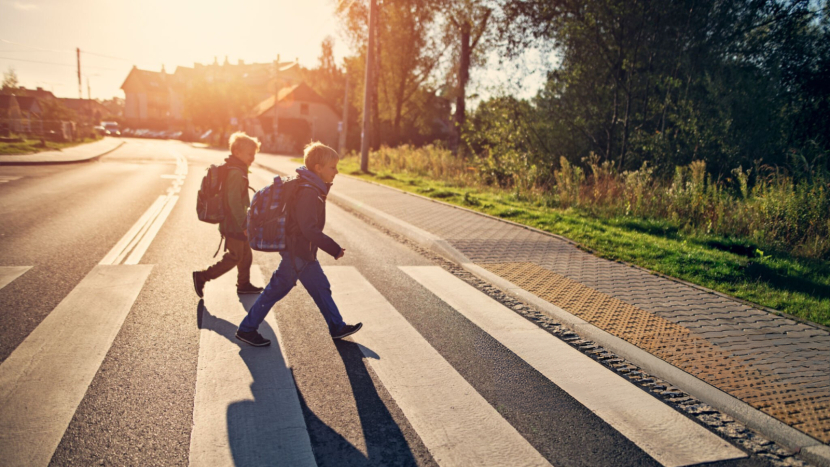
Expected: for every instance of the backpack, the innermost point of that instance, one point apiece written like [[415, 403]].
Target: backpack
[[268, 214], [210, 201]]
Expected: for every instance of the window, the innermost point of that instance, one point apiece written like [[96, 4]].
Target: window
[[303, 109]]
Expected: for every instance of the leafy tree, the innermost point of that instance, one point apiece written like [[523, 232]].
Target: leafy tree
[[408, 56], [10, 83], [52, 110], [467, 22], [728, 82]]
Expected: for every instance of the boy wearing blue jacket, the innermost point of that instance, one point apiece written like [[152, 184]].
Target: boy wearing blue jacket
[[304, 236]]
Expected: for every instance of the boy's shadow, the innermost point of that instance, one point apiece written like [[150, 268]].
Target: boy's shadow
[[254, 443]]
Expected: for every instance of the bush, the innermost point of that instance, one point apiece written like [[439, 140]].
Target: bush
[[767, 206]]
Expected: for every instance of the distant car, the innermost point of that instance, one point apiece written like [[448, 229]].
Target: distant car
[[111, 128], [99, 130]]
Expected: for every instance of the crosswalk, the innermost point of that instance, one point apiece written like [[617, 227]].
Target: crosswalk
[[246, 406], [9, 178]]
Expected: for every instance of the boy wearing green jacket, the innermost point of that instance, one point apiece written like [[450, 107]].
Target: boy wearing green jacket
[[237, 250]]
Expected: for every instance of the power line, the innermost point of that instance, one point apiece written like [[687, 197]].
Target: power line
[[63, 51], [56, 64]]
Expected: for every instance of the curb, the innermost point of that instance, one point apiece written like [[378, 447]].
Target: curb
[[809, 448], [62, 162]]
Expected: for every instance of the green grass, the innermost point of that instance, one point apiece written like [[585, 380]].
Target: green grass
[[774, 279], [32, 146]]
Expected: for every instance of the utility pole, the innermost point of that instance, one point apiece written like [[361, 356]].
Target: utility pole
[[345, 123], [80, 91], [88, 89], [367, 91], [276, 100]]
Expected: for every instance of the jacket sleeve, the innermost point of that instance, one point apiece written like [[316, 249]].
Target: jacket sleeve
[[238, 201], [305, 212]]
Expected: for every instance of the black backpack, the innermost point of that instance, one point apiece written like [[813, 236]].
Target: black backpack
[[210, 202]]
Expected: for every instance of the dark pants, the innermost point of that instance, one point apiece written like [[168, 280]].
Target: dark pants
[[237, 254], [314, 280]]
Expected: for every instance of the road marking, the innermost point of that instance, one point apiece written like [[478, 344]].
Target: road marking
[[9, 178], [660, 431], [10, 273], [137, 240], [246, 409], [45, 378], [457, 425]]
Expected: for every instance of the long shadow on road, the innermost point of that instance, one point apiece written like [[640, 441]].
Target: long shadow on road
[[253, 442]]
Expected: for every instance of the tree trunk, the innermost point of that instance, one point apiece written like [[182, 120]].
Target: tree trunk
[[376, 139], [463, 77]]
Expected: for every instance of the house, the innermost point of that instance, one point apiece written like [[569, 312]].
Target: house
[[157, 99], [88, 109], [147, 102], [302, 115], [20, 114]]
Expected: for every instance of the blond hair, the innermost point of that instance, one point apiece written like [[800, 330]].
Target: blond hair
[[318, 153], [239, 140]]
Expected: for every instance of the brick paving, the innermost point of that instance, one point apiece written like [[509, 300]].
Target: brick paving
[[776, 364]]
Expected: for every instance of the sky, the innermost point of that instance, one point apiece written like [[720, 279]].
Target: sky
[[38, 39]]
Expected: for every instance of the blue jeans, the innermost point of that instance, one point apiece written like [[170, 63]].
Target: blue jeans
[[314, 280]]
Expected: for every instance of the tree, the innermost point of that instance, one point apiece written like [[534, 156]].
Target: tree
[[408, 56], [680, 80], [10, 82], [467, 22]]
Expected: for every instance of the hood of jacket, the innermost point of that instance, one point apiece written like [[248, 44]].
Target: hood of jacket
[[313, 179], [231, 160]]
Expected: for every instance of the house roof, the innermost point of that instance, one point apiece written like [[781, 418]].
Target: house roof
[[40, 93], [6, 101], [145, 80], [299, 92], [28, 103], [89, 105]]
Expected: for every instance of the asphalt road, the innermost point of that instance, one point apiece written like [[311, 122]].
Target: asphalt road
[[139, 407]]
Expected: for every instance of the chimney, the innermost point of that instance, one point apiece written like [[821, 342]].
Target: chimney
[[162, 69], [226, 61], [241, 62], [39, 88]]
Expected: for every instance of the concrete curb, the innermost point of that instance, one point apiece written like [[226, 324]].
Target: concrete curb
[[59, 161], [810, 448]]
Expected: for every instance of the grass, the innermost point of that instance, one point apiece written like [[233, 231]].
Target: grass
[[794, 285], [32, 146]]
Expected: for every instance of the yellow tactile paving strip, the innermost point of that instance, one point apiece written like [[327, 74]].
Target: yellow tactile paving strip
[[794, 405]]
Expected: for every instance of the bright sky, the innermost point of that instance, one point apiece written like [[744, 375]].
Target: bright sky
[[149, 33], [114, 35]]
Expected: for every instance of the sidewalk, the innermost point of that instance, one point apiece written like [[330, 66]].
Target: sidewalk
[[80, 153], [769, 372]]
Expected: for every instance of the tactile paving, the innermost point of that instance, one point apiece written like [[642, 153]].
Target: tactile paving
[[809, 412]]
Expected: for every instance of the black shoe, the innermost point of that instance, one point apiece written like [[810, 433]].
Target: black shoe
[[347, 330], [248, 289], [199, 283], [253, 338]]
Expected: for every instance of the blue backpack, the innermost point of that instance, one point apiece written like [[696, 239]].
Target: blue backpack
[[268, 213]]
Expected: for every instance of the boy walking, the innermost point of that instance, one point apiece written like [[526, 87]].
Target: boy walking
[[237, 250], [304, 236]]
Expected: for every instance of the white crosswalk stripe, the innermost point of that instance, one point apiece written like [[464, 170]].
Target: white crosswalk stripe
[[45, 378], [9, 178], [9, 273], [247, 411], [457, 425], [666, 435]]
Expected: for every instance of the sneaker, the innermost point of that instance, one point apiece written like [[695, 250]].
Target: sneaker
[[347, 330], [199, 283], [253, 338], [248, 289]]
